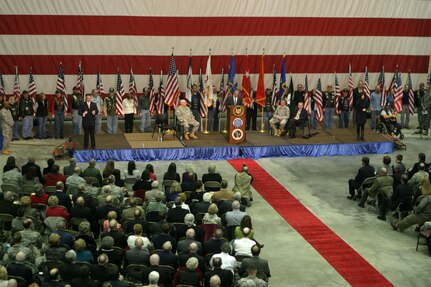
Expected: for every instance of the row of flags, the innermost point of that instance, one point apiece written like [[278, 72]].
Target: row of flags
[[170, 95]]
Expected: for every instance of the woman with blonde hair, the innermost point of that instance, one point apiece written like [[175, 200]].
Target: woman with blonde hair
[[4, 281], [82, 253], [211, 216], [111, 215]]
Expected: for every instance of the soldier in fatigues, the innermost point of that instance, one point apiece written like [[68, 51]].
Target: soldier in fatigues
[[186, 118], [27, 113], [14, 109], [328, 106], [110, 112], [76, 118], [281, 116], [6, 126], [97, 99], [58, 114]]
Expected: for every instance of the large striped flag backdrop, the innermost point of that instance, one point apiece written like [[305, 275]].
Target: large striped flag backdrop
[[332, 34]]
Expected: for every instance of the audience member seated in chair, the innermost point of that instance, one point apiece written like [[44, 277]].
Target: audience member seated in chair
[[403, 194], [225, 276], [299, 120], [187, 120], [280, 117], [364, 172], [383, 189], [389, 119], [261, 264]]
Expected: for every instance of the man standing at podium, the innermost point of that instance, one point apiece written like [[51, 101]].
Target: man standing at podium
[[186, 118], [235, 99]]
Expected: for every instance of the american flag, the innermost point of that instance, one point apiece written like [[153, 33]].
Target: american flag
[[381, 84], [61, 85], [274, 96], [337, 94], [99, 85], [307, 104], [202, 98], [80, 80], [222, 93], [318, 101], [172, 87], [350, 87], [120, 95], [161, 97], [32, 89], [133, 90], [284, 91], [16, 86], [367, 84], [153, 107], [411, 94], [398, 85], [2, 91], [189, 82]]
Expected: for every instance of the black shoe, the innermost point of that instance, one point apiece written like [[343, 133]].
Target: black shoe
[[362, 139], [351, 197], [361, 205], [381, 217]]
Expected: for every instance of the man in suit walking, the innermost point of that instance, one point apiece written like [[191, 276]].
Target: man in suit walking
[[88, 111]]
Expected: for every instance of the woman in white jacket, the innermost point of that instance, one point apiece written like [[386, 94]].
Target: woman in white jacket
[[129, 110]]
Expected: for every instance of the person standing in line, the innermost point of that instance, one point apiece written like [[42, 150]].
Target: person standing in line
[[375, 106], [269, 109], [144, 108], [361, 107], [58, 113], [328, 106], [76, 118], [129, 113], [14, 109], [42, 115], [88, 111], [405, 112], [110, 111], [27, 112], [6, 127], [99, 103], [343, 117]]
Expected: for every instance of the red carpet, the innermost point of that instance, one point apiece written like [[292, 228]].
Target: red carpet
[[355, 269]]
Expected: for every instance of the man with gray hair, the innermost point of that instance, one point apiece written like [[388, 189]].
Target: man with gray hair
[[20, 268], [116, 190], [183, 245], [138, 255], [99, 271], [382, 188], [75, 179], [243, 182], [187, 120], [212, 175], [150, 195], [192, 251], [202, 206], [215, 281], [153, 279], [225, 276], [157, 204], [69, 169], [234, 217], [165, 277], [167, 257], [63, 198], [70, 269]]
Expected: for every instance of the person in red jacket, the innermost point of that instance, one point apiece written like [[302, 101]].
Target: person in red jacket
[[39, 197], [54, 176], [56, 210]]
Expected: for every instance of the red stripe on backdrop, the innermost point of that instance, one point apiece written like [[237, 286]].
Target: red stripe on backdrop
[[343, 258], [313, 64], [212, 26]]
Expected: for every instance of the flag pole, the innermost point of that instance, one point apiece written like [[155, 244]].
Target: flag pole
[[206, 106], [262, 125], [225, 114]]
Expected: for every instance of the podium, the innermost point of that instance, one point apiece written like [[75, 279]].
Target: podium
[[236, 124]]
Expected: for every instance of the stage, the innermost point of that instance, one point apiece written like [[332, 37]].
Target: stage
[[214, 146]]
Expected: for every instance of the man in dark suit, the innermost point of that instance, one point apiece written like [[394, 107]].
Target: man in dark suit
[[84, 278], [403, 193], [99, 271], [102, 212], [356, 96], [226, 276], [235, 99], [81, 211], [161, 238], [69, 270], [364, 172], [165, 277], [299, 119], [261, 264], [54, 279], [32, 164], [213, 245], [137, 255], [63, 198], [167, 257], [88, 111], [176, 213], [192, 252], [18, 268], [120, 239]]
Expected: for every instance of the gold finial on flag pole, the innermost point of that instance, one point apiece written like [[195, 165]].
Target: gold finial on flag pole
[[190, 52], [231, 52]]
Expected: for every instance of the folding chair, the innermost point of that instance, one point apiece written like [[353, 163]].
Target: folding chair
[[27, 189]]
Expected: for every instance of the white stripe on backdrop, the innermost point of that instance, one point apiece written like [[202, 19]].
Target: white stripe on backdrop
[[223, 8], [47, 83]]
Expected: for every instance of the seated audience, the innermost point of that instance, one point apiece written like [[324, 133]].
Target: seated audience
[[82, 253], [164, 276], [39, 196], [261, 264], [55, 210], [251, 272], [223, 194], [54, 176], [364, 172], [228, 261], [211, 216], [190, 275], [132, 171]]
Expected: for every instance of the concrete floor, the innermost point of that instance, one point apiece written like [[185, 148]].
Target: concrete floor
[[293, 261]]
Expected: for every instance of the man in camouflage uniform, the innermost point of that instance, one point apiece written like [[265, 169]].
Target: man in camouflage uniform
[[76, 117], [242, 185], [31, 237], [281, 116], [14, 109], [13, 177], [186, 118], [110, 112], [27, 113], [6, 127], [58, 113], [95, 98]]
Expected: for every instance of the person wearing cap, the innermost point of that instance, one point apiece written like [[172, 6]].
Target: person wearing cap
[[343, 107], [328, 106], [375, 106], [76, 118], [6, 127], [14, 109], [110, 111], [99, 103], [89, 111], [42, 115], [27, 112], [144, 109], [390, 119], [58, 114], [405, 112]]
